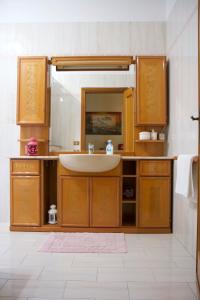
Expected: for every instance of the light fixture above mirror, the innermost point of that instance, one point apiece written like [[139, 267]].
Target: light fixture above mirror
[[92, 63]]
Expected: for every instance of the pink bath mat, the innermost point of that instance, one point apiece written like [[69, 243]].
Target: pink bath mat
[[85, 242]]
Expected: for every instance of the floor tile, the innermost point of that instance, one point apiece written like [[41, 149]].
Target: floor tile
[[160, 291], [97, 290], [125, 274], [86, 274], [32, 288], [174, 274]]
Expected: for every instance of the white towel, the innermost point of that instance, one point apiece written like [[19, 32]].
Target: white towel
[[184, 177]]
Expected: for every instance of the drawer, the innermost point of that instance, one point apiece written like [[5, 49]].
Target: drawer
[[155, 167], [25, 166]]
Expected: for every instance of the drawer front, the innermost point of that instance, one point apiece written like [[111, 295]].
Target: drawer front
[[155, 167], [25, 166]]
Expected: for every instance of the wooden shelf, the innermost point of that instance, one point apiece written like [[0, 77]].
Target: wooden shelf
[[129, 201], [150, 141], [38, 140], [131, 176]]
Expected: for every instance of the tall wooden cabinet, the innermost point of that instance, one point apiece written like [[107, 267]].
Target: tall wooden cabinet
[[151, 90], [32, 105], [33, 102]]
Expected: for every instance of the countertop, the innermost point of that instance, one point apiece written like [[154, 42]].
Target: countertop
[[122, 157], [35, 157]]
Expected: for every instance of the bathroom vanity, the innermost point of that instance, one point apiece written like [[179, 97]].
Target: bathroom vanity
[[134, 195]]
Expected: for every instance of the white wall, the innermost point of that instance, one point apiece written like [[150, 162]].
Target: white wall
[[127, 38], [82, 11], [182, 52]]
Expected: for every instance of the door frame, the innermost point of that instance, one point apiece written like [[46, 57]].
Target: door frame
[[198, 203], [84, 92]]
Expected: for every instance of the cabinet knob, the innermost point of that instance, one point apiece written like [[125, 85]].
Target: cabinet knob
[[194, 118]]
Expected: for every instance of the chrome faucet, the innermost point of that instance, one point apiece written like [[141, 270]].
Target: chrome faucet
[[90, 148]]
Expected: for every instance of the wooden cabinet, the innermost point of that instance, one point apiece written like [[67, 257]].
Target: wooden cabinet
[[154, 202], [32, 105], [25, 200], [155, 168], [155, 193], [74, 201], [105, 202], [25, 192], [89, 201], [151, 106]]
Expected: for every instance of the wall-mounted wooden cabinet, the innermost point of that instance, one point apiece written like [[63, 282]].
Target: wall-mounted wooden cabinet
[[151, 106], [33, 95]]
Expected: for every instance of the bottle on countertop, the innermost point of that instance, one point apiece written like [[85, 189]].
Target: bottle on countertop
[[109, 148]]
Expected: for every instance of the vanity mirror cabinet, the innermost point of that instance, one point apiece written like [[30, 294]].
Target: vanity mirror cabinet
[[61, 86]]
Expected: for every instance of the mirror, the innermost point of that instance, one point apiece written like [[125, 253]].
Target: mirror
[[66, 94]]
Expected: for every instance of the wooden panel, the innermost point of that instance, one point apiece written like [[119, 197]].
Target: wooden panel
[[128, 120], [74, 201], [154, 202], [25, 166], [155, 167], [105, 202], [115, 172], [25, 200], [32, 91], [151, 91]]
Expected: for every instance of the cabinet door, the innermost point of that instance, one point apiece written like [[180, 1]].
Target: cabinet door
[[154, 202], [105, 201], [25, 200], [32, 91], [75, 201], [151, 91]]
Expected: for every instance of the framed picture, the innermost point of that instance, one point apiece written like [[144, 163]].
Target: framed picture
[[104, 123]]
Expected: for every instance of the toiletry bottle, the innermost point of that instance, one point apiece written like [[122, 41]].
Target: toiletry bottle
[[109, 148], [154, 135]]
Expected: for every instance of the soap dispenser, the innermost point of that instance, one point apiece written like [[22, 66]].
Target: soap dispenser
[[109, 148]]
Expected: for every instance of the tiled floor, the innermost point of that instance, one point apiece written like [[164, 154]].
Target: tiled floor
[[156, 267]]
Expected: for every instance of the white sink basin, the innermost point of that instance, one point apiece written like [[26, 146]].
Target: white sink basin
[[89, 162]]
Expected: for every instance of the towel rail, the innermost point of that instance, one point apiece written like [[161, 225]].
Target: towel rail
[[195, 158]]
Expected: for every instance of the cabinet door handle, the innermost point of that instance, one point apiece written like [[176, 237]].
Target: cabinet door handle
[[194, 118]]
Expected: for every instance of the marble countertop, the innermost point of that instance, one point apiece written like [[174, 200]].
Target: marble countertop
[[122, 157]]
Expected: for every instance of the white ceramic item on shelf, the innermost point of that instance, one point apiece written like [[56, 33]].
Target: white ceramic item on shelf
[[144, 135], [161, 136], [52, 214], [154, 135]]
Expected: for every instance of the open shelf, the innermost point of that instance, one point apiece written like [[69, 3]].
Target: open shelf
[[50, 188], [150, 141], [129, 188], [129, 168], [128, 201], [128, 214]]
